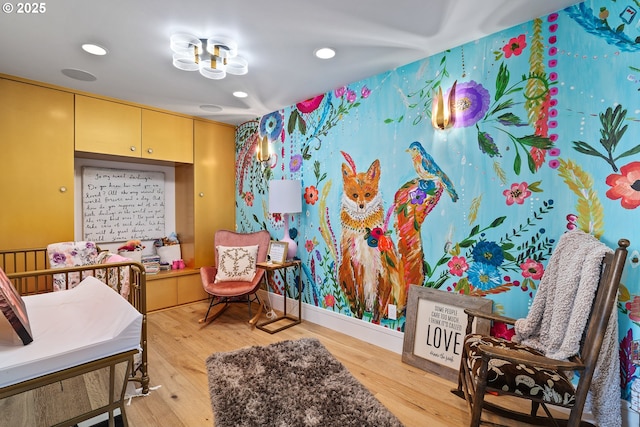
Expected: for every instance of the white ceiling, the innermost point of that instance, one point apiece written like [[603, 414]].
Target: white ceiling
[[277, 37]]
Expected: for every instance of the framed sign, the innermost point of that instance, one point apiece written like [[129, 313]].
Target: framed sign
[[13, 308], [277, 252], [435, 327]]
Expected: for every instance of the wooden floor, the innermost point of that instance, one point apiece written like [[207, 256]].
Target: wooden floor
[[178, 347]]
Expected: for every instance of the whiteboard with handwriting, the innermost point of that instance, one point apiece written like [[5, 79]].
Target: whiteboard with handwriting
[[120, 205]]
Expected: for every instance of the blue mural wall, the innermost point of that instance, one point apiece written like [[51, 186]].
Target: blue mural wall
[[545, 139]]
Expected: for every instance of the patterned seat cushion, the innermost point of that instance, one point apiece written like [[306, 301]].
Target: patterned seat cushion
[[546, 385]]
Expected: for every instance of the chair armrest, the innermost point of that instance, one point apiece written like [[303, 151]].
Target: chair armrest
[[208, 274], [490, 316], [488, 352], [258, 277]]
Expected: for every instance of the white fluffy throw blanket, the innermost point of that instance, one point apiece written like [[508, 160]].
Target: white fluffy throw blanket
[[559, 313]]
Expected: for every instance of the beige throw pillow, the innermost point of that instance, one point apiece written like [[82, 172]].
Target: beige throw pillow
[[236, 263]]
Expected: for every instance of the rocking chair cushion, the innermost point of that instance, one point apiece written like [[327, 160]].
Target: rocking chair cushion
[[236, 263], [515, 378]]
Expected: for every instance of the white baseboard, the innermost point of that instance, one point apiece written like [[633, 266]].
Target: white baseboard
[[382, 337], [630, 418]]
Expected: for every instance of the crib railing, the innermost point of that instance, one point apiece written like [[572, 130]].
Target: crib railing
[[40, 281]]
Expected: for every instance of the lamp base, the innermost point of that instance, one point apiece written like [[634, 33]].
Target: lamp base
[[292, 246]]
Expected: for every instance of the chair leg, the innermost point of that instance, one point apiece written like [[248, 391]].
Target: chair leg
[[465, 381], [213, 300], [254, 320], [478, 396]]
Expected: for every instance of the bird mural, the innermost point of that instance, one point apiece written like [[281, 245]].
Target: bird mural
[[413, 202], [429, 172]]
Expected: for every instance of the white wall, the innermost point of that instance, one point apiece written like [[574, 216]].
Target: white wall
[[169, 191]]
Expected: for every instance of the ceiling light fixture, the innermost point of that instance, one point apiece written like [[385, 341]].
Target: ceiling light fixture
[[213, 57], [94, 49], [240, 94], [325, 53]]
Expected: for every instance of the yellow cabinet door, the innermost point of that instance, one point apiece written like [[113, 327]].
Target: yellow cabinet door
[[36, 177], [190, 289], [107, 127], [167, 137], [162, 293], [214, 186]]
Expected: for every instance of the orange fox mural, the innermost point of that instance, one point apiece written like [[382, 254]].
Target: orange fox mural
[[370, 271]]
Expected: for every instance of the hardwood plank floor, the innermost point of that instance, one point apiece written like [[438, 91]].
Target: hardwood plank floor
[[178, 347]]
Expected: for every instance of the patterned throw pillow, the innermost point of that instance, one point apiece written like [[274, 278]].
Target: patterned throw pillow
[[236, 263]]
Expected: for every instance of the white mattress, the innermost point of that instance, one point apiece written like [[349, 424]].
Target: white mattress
[[69, 328]]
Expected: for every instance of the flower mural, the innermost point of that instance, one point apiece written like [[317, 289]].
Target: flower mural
[[517, 193], [532, 269], [484, 276], [488, 253], [271, 125], [311, 195], [471, 103], [295, 163], [571, 221], [626, 186], [248, 198], [310, 105], [329, 301], [515, 46], [458, 265]]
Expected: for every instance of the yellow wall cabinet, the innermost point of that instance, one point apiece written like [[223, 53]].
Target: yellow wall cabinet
[[36, 178], [167, 137], [107, 127], [205, 191], [113, 128]]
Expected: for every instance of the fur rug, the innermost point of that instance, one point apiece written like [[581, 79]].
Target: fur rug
[[292, 383]]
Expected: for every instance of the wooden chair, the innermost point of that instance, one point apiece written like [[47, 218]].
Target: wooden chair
[[491, 364], [230, 289]]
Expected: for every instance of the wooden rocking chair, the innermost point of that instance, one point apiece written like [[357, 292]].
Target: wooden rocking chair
[[491, 364]]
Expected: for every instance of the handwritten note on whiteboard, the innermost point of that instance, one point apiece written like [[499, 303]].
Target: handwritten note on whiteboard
[[119, 204]]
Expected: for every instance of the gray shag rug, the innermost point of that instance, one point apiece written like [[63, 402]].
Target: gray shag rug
[[294, 383]]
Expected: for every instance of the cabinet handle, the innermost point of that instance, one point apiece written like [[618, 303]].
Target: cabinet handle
[[150, 150], [201, 194], [63, 189], [133, 148]]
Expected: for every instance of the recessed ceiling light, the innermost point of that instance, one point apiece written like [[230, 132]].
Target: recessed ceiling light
[[94, 49], [240, 94], [73, 73], [211, 108], [325, 53]]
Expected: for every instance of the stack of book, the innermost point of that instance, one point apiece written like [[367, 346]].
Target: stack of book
[[151, 263]]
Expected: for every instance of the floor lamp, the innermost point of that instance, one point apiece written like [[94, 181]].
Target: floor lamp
[[285, 198]]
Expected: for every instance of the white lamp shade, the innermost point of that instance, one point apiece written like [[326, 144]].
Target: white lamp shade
[[285, 196]]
